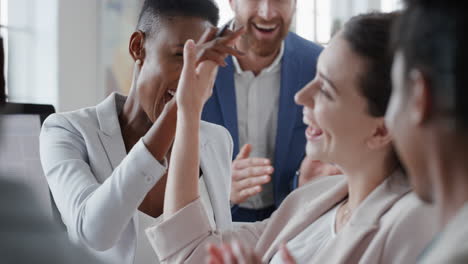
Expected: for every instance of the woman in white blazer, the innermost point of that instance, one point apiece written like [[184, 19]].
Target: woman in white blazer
[[106, 165]]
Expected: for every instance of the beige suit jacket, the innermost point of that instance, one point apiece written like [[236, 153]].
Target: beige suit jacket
[[390, 226]]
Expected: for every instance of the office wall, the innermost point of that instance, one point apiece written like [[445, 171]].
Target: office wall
[[78, 57]]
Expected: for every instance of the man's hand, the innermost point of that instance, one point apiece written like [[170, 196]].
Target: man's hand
[[311, 169], [248, 175]]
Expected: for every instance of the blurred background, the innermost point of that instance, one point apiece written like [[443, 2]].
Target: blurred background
[[72, 54]]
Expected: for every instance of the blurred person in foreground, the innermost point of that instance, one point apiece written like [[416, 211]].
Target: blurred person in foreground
[[27, 235], [428, 116]]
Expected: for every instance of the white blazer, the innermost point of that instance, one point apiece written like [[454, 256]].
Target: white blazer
[[98, 187]]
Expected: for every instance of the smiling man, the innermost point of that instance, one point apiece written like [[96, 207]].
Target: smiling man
[[254, 100]]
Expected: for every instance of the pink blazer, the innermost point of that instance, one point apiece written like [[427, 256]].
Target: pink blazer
[[390, 226]]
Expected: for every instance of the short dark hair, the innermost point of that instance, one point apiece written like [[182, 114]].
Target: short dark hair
[[369, 36], [153, 10], [431, 34]]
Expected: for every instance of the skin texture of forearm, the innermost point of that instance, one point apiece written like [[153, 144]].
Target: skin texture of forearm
[[182, 183], [159, 138]]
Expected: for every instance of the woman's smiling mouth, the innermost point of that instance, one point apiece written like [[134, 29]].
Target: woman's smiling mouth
[[313, 133]]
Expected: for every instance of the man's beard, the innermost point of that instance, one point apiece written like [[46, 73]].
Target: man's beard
[[263, 48]]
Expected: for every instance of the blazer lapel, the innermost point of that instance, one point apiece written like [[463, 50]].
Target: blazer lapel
[[110, 134], [215, 184], [226, 92], [299, 221], [380, 200], [355, 237]]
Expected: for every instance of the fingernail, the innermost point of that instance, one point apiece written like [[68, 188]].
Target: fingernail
[[138, 62], [190, 44]]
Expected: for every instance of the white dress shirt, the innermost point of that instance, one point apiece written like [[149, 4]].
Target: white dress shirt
[[316, 236], [257, 100]]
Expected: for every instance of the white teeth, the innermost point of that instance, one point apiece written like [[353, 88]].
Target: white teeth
[[265, 27], [171, 92]]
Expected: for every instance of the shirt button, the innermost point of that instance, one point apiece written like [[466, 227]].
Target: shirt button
[[148, 179]]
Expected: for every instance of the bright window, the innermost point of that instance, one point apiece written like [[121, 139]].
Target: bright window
[[225, 11], [30, 49], [390, 5], [306, 25], [313, 20]]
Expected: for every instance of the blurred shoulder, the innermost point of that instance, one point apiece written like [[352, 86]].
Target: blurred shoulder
[[411, 209], [409, 226], [451, 245]]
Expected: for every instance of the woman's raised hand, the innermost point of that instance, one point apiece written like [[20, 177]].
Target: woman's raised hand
[[196, 82], [201, 61]]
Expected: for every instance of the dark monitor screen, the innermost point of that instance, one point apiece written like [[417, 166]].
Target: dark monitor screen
[[43, 111]]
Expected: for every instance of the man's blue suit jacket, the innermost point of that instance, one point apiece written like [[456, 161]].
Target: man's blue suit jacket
[[298, 67]]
